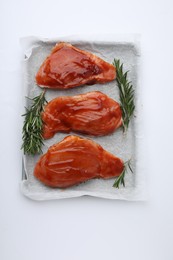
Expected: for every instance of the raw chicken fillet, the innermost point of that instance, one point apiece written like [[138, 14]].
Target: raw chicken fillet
[[75, 160], [92, 113], [68, 67]]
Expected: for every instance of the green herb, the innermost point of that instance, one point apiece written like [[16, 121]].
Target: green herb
[[33, 125], [126, 93], [120, 179]]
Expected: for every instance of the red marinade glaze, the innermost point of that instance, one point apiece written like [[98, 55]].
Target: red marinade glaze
[[68, 66], [92, 113], [75, 160]]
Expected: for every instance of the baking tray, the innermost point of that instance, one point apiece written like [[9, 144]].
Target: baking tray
[[126, 146]]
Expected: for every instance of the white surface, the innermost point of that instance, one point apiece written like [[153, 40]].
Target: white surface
[[89, 228]]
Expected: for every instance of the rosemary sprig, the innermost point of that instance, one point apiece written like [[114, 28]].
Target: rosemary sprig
[[32, 128], [120, 179], [126, 93]]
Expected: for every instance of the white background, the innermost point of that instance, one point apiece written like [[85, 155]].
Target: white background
[[89, 228]]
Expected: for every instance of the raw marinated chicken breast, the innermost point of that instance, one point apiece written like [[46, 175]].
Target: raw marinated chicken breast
[[75, 160], [93, 113], [68, 67]]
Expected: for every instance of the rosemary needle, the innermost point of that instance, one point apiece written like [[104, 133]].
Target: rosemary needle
[[126, 93], [32, 127]]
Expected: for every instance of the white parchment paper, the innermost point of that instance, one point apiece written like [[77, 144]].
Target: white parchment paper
[[126, 146]]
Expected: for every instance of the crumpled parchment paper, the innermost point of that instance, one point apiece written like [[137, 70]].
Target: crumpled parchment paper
[[126, 146]]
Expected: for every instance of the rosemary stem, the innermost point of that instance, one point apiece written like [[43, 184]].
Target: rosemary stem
[[120, 179], [33, 126], [126, 93]]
